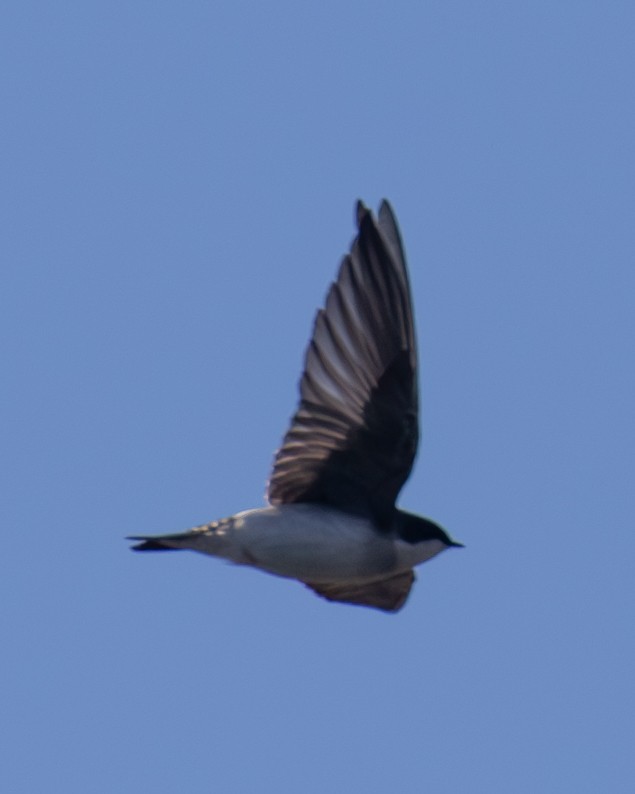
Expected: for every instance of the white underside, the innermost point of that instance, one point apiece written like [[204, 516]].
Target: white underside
[[313, 544]]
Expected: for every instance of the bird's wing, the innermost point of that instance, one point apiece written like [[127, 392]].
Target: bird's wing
[[353, 439], [389, 594]]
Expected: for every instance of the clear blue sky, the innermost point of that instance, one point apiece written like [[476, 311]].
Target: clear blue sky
[[177, 187]]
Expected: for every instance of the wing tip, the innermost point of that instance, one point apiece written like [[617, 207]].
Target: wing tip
[[361, 211]]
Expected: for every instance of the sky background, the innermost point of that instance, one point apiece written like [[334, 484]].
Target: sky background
[[177, 185]]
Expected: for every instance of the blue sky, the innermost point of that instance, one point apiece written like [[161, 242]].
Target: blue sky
[[178, 183]]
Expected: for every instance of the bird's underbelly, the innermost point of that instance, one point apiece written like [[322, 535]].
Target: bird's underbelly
[[309, 543]]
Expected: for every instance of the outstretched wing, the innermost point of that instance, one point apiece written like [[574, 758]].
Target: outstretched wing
[[353, 439]]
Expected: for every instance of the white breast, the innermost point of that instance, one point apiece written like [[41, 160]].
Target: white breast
[[310, 543], [410, 554]]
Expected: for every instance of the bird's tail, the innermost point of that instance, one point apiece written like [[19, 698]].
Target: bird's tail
[[157, 543], [181, 540]]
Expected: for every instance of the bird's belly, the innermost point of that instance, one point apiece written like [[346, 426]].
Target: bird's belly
[[310, 543]]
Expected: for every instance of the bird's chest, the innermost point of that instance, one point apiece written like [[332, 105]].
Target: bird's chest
[[302, 542]]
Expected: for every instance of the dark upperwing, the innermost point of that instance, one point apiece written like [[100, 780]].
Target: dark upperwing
[[353, 439]]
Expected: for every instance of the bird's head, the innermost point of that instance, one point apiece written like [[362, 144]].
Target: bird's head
[[416, 529]]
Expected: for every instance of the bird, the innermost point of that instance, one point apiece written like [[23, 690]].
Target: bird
[[331, 521]]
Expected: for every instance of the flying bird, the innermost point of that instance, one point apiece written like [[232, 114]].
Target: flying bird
[[331, 520]]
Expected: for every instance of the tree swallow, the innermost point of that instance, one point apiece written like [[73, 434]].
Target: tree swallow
[[331, 521]]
